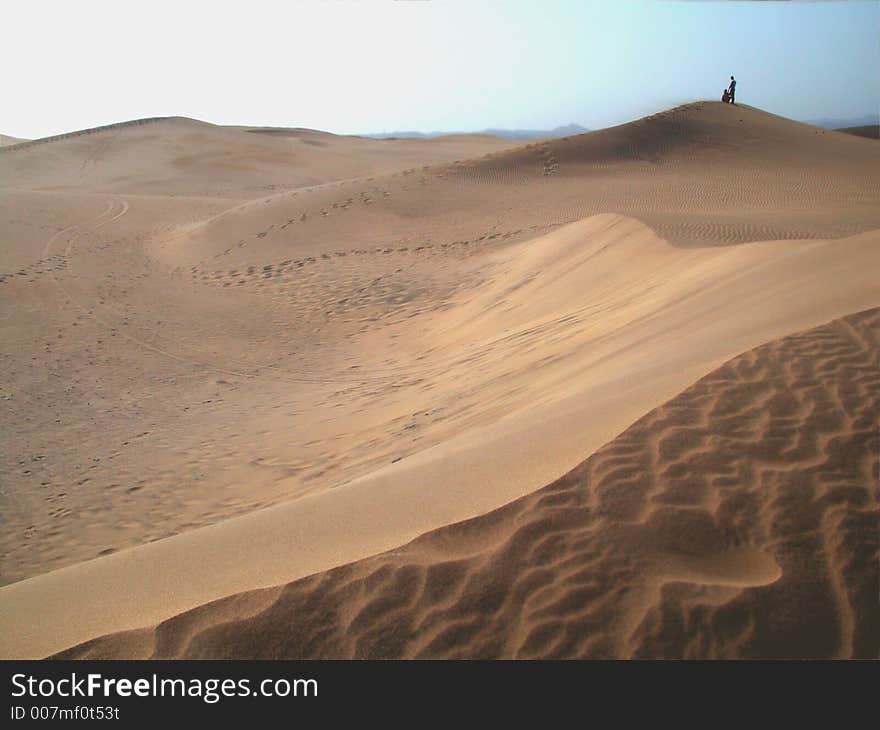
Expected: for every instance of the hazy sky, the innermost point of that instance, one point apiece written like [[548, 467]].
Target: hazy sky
[[381, 65]]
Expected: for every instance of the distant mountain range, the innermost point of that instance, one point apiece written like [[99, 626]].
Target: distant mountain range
[[570, 129], [567, 130], [564, 131], [866, 121]]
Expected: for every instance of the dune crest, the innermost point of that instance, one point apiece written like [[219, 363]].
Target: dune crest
[[736, 520], [700, 174]]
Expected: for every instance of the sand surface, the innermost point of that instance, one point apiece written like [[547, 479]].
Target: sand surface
[[5, 140], [739, 519], [234, 358]]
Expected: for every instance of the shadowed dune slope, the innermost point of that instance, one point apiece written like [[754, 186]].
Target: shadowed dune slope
[[739, 519], [871, 131]]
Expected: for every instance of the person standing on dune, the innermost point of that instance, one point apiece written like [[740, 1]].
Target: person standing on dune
[[731, 90]]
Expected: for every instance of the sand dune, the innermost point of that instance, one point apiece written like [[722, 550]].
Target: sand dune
[[239, 385], [739, 519], [458, 438], [180, 156], [701, 174], [6, 140]]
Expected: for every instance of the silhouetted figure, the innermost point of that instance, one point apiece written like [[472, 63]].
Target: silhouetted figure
[[731, 90]]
